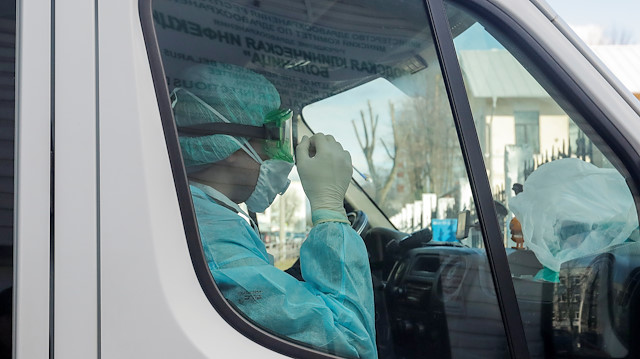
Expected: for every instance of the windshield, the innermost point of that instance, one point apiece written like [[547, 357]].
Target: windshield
[[405, 157]]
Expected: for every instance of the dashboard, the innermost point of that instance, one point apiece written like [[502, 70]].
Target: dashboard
[[436, 299]]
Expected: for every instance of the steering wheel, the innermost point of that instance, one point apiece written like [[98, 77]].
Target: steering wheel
[[359, 220]]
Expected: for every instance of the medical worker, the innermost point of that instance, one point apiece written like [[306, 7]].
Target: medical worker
[[236, 146]]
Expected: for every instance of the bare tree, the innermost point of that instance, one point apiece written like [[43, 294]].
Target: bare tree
[[367, 143], [289, 203], [430, 152], [425, 154], [384, 191]]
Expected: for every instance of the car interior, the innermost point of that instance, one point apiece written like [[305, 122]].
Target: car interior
[[368, 73]]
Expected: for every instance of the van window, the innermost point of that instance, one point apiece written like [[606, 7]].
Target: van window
[[367, 75], [571, 223], [7, 134], [407, 158]]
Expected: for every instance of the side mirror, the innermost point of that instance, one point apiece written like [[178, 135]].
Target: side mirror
[[462, 230]]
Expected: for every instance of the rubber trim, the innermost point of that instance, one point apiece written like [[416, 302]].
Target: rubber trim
[[98, 174], [52, 199], [235, 318]]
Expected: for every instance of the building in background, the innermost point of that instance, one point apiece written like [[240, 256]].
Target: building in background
[[519, 126], [516, 117]]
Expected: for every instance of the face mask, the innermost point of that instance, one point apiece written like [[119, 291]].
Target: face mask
[[272, 180]]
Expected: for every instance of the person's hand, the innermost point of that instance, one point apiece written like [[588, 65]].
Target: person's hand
[[325, 171]]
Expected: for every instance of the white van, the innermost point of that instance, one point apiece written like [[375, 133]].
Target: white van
[[443, 105]]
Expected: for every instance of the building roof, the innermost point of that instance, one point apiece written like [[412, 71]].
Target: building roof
[[623, 61], [496, 73]]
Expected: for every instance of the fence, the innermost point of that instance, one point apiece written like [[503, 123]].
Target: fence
[[584, 151]]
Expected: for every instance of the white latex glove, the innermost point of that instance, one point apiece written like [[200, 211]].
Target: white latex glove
[[325, 171]]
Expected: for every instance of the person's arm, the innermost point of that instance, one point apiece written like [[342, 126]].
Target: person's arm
[[332, 310], [334, 258], [334, 262]]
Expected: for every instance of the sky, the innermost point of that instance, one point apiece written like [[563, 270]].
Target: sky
[[601, 21], [338, 111]]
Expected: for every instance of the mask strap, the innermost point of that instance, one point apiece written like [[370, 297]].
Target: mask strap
[[246, 146], [206, 105], [249, 150]]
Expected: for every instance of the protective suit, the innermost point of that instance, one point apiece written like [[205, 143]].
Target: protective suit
[[570, 209], [332, 309]]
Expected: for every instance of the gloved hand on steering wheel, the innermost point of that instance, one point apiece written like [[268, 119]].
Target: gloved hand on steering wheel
[[325, 171]]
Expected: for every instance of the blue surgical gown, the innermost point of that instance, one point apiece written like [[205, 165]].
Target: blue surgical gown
[[332, 309]]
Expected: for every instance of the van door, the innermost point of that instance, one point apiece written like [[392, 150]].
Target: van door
[[32, 176]]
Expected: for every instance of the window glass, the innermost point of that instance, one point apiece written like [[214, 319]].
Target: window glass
[[285, 223], [7, 133], [368, 75], [527, 127], [571, 225], [407, 158]]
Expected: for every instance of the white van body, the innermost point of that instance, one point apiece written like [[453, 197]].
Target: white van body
[[102, 268]]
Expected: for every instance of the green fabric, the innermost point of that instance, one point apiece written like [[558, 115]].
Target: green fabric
[[332, 309], [279, 149], [547, 275], [240, 95]]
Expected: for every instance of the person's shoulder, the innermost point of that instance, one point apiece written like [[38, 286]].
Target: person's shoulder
[[204, 203], [200, 198], [199, 195], [197, 192]]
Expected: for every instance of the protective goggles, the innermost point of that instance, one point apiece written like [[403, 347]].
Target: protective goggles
[[277, 130]]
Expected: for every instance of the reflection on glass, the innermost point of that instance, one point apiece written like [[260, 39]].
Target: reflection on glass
[[439, 294], [404, 148], [571, 225], [369, 76], [285, 224]]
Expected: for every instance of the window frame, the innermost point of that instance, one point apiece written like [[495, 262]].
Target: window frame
[[563, 81], [214, 295], [469, 143], [8, 173], [478, 180], [232, 316], [574, 94]]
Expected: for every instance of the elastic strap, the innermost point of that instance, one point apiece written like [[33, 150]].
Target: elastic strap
[[246, 147], [226, 202]]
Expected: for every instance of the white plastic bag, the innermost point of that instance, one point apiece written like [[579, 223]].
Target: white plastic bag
[[570, 209]]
